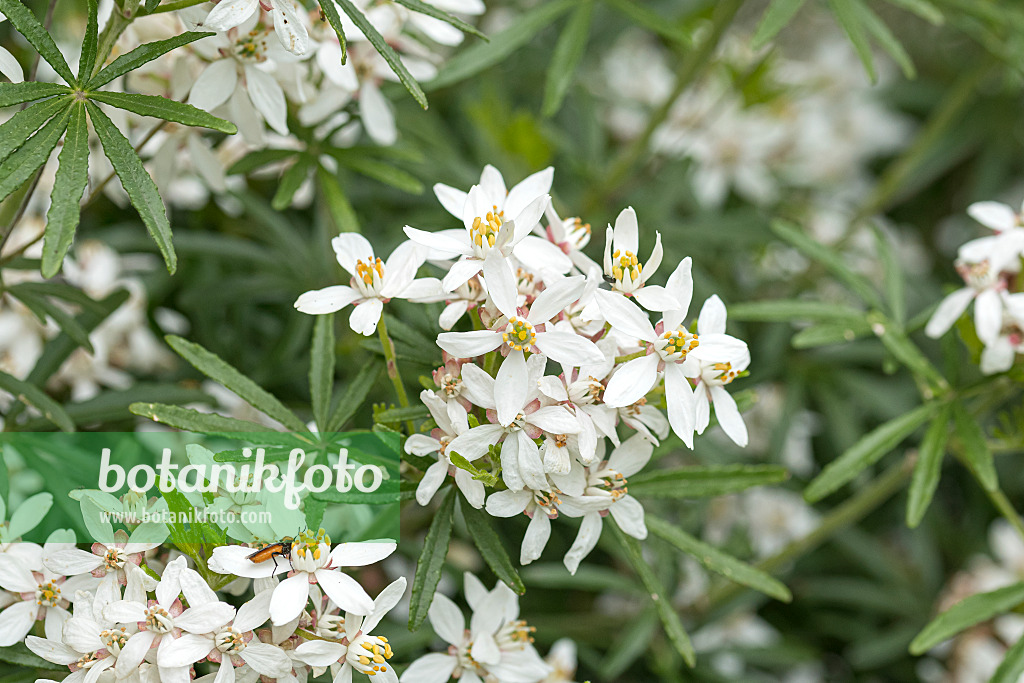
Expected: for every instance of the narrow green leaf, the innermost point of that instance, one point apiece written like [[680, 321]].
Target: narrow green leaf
[[928, 467], [790, 310], [291, 180], [713, 559], [490, 545], [384, 172], [975, 447], [17, 93], [330, 11], [17, 168], [17, 129], [704, 481], [966, 613], [1012, 666], [26, 23], [87, 62], [881, 33], [68, 186], [661, 598], [828, 258], [922, 8], [849, 17], [353, 395], [44, 308], [431, 561], [32, 395], [130, 61], [137, 182], [566, 58], [630, 644], [211, 365], [652, 21], [338, 205], [868, 451], [431, 11], [385, 50], [208, 423], [479, 57], [776, 17], [895, 285], [906, 351], [830, 333], [258, 159], [151, 6], [391, 415], [321, 368], [163, 108]]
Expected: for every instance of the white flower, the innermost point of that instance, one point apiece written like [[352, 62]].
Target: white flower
[[624, 270], [995, 215], [541, 505], [451, 419], [570, 235], [288, 25], [312, 562], [715, 375], [9, 65], [1001, 351], [118, 560], [359, 650], [562, 659], [374, 282], [234, 644]]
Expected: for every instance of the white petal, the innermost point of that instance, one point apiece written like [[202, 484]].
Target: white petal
[[951, 308], [452, 313], [289, 28], [556, 297], [469, 344], [478, 386], [320, 652], [447, 619], [729, 416], [493, 186], [361, 554], [400, 269], [501, 283], [453, 200], [988, 315], [586, 541], [679, 399], [632, 456], [627, 232], [344, 591], [431, 668], [365, 316], [531, 187], [10, 67], [183, 651], [460, 273], [204, 618], [15, 576], [326, 300], [508, 503], [475, 442], [514, 385], [553, 388], [228, 14], [529, 217], [215, 85], [349, 248], [554, 420], [536, 538], [254, 613], [133, 652], [53, 651], [266, 659], [268, 98], [712, 316], [432, 478], [289, 598], [632, 381], [656, 298], [997, 356], [385, 602], [994, 215], [376, 115], [531, 467], [568, 348], [628, 513], [624, 315], [440, 241]]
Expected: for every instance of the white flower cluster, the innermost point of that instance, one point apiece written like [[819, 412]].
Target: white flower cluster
[[536, 300], [990, 267]]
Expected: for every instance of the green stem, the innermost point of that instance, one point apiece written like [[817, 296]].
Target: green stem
[[108, 39], [393, 372], [176, 5], [630, 356]]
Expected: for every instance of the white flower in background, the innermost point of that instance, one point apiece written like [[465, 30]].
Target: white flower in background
[[288, 25], [773, 518], [497, 645], [1000, 352], [623, 268], [179, 635], [605, 494], [116, 562], [645, 419], [451, 419], [710, 388], [540, 504], [9, 66], [360, 650], [234, 645], [312, 562], [374, 282], [562, 660], [570, 235], [496, 221], [995, 215]]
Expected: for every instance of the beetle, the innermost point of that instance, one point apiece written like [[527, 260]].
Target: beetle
[[282, 548]]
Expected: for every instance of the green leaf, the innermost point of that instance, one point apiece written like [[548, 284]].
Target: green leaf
[[630, 644], [922, 8], [975, 447], [17, 129], [417, 412], [35, 33], [321, 368], [790, 310], [906, 351], [17, 168], [1012, 666], [895, 286], [490, 545], [966, 613], [32, 395], [881, 33], [776, 17], [479, 57], [868, 451], [291, 180], [87, 61], [16, 93], [566, 58], [431, 561], [20, 655], [431, 11], [258, 159], [384, 172], [330, 11], [704, 481], [828, 258], [928, 467], [713, 559], [830, 333], [385, 50], [652, 21], [163, 108], [338, 205], [135, 179], [848, 14], [211, 365], [151, 5], [68, 186], [661, 598], [355, 393], [43, 308], [130, 61], [208, 423]]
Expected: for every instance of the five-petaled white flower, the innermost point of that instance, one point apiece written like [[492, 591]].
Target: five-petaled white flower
[[288, 25]]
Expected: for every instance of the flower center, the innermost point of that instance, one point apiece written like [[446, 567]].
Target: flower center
[[113, 559], [332, 624], [515, 635], [626, 270], [978, 275], [230, 641], [607, 482], [450, 385], [585, 391], [678, 343], [252, 46], [724, 372], [114, 639], [519, 334], [159, 620], [484, 232], [86, 661], [309, 552], [48, 594], [548, 501], [377, 652], [369, 275]]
